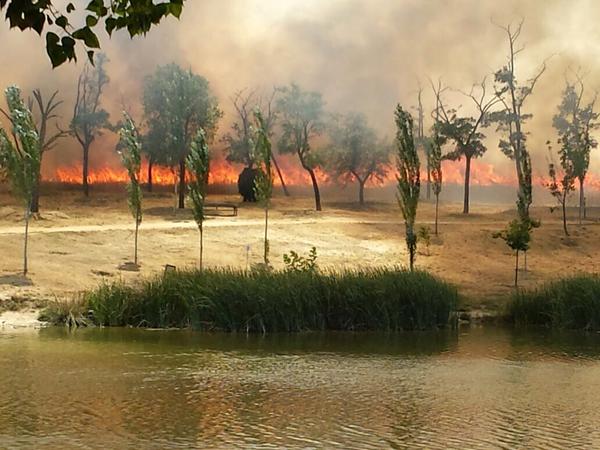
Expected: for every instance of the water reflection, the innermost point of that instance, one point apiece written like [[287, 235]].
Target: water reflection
[[116, 388]]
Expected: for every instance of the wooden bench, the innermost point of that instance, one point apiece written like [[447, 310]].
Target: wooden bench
[[215, 209]]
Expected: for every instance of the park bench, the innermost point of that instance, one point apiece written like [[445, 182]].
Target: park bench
[[216, 209]]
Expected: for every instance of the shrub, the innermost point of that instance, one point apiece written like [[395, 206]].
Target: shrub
[[285, 301], [571, 303]]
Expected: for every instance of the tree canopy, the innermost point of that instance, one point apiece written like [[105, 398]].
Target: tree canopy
[[177, 104], [65, 28]]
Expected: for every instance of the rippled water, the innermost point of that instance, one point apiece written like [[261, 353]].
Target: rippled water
[[121, 389]]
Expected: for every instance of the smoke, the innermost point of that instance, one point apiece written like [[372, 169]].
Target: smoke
[[363, 56]]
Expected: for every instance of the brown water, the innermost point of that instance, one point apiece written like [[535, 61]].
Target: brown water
[[132, 389]]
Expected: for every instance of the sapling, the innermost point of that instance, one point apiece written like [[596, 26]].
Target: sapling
[[20, 157], [409, 181], [263, 183], [198, 164], [130, 150], [517, 236]]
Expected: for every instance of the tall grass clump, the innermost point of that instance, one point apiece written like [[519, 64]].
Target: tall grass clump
[[284, 301], [570, 303]]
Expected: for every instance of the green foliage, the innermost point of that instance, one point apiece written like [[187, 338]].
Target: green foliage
[[409, 181], [268, 301], [262, 157], [21, 158], [177, 103], [130, 152], [198, 164], [571, 303], [296, 263], [517, 235], [355, 152], [136, 16], [434, 157]]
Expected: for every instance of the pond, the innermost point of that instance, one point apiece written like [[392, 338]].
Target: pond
[[125, 388]]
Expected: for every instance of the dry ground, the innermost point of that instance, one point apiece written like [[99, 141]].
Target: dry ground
[[76, 243]]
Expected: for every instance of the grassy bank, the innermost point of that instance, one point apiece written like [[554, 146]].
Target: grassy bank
[[240, 301], [571, 303]]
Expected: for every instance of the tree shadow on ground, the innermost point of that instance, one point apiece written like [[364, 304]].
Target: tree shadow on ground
[[15, 279]]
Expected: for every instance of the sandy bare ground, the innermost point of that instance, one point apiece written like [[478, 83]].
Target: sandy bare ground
[[76, 244]]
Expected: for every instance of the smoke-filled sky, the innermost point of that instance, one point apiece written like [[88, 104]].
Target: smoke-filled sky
[[363, 55]]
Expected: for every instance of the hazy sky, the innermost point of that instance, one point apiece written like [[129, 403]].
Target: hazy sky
[[364, 55]]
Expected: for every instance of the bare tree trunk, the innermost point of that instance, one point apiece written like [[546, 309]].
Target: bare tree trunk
[[266, 249], [428, 180], [86, 162], [467, 184], [150, 167], [361, 191], [35, 195], [315, 189], [26, 242], [181, 191], [564, 214], [135, 245], [437, 203], [201, 251], [581, 201], [279, 174], [517, 268]]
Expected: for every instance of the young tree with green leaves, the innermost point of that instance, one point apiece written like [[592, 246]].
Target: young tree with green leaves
[[561, 188], [356, 153], [301, 121], [198, 164], [130, 149], [263, 184], [409, 178], [517, 236], [137, 17], [177, 104], [88, 117], [574, 123], [434, 156], [21, 157]]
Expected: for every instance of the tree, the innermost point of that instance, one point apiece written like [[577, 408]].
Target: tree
[[574, 123], [511, 118], [263, 184], [517, 236], [21, 157], [130, 149], [136, 16], [421, 139], [409, 178], [88, 117], [198, 164], [434, 156], [301, 120], [177, 104], [355, 153], [465, 131], [238, 142], [46, 112], [560, 189]]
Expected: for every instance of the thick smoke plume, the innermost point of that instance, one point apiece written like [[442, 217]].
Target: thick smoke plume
[[362, 55]]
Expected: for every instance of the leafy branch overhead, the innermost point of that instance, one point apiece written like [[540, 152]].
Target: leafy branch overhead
[[62, 32]]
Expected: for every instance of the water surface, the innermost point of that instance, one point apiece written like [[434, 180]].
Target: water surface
[[122, 388]]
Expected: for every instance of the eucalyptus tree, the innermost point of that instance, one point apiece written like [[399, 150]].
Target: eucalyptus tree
[[409, 178], [263, 184], [465, 131], [356, 153], [511, 117], [88, 117], [198, 164], [177, 104], [130, 149], [301, 119], [21, 157], [574, 123], [65, 19]]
